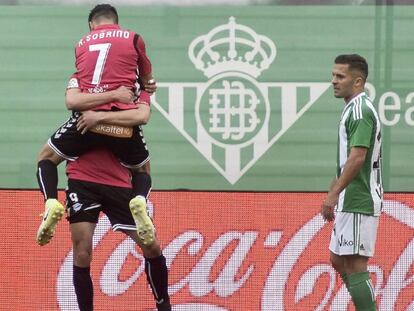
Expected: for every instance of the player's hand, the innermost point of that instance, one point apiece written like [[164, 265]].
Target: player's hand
[[327, 208], [141, 103], [123, 95], [150, 86], [87, 120], [327, 212]]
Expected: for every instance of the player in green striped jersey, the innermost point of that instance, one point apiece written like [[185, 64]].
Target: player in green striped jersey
[[356, 191]]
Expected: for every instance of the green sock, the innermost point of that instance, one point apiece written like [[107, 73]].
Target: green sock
[[362, 291], [345, 279]]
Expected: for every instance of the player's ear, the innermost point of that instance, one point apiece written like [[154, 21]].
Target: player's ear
[[359, 81], [90, 25]]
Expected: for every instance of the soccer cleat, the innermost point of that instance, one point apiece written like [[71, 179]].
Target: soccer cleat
[[145, 227], [53, 213]]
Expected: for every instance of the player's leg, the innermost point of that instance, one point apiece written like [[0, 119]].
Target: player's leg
[[82, 234], [116, 207], [141, 179], [356, 266], [66, 143], [156, 271], [58, 148], [47, 175], [83, 207], [141, 183], [133, 153], [338, 263], [352, 243], [47, 178], [360, 284]]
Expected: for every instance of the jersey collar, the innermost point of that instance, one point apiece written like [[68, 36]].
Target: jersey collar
[[107, 26], [356, 97], [352, 101]]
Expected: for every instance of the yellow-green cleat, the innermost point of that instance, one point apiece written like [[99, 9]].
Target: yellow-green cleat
[[53, 213], [145, 227]]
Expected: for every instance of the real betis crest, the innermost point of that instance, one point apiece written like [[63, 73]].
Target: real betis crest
[[236, 118]]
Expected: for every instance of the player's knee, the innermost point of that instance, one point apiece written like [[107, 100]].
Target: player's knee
[[145, 178], [337, 263], [141, 178], [142, 169], [151, 251], [46, 153], [82, 258], [355, 264]]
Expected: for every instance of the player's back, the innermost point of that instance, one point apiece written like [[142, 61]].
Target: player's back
[[109, 57], [99, 166]]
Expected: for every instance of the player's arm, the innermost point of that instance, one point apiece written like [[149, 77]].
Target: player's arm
[[333, 183], [148, 83], [76, 100], [145, 79], [131, 117], [351, 168]]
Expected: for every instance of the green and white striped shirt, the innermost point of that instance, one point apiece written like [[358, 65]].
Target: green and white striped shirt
[[360, 127]]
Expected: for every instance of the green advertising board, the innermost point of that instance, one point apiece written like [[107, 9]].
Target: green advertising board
[[244, 99]]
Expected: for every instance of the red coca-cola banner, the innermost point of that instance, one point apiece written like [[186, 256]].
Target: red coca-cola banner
[[225, 251]]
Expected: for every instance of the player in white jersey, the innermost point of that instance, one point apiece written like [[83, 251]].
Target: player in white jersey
[[356, 191]]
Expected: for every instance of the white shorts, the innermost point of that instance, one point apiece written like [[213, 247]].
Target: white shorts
[[354, 234]]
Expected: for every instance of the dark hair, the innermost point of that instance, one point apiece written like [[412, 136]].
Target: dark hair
[[355, 61], [103, 10]]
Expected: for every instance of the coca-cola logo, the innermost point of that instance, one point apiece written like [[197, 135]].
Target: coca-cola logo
[[215, 270]]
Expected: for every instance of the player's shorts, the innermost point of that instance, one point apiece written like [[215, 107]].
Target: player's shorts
[[354, 234], [85, 200], [69, 143]]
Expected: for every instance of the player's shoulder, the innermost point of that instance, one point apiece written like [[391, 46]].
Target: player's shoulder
[[368, 108], [131, 31], [362, 107], [84, 36], [137, 38], [82, 40]]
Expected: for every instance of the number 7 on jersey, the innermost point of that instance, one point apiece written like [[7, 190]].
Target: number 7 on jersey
[[103, 49]]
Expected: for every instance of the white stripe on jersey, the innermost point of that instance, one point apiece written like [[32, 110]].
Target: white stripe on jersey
[[376, 188], [360, 107], [343, 147], [343, 140], [357, 108], [354, 113]]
